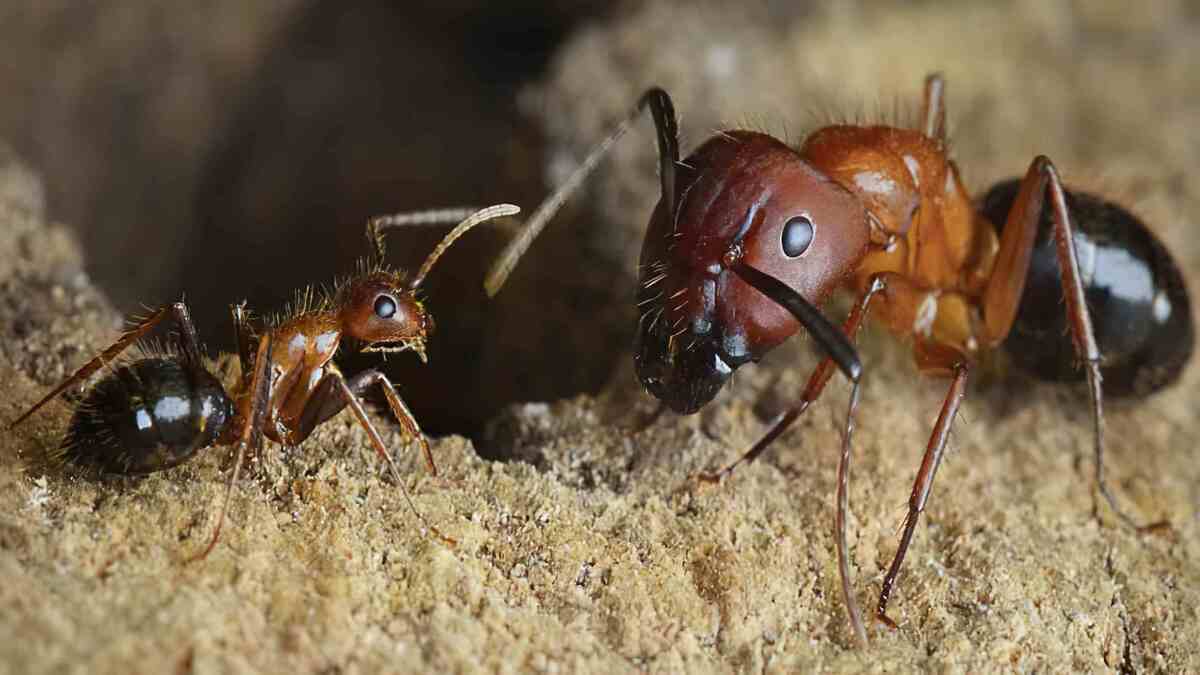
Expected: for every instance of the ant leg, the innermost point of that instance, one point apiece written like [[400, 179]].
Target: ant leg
[[249, 437], [923, 485], [667, 129], [188, 342], [816, 385], [334, 393], [1003, 294], [841, 352], [243, 335], [326, 401], [933, 108]]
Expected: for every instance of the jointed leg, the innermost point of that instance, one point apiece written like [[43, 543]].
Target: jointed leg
[[250, 436], [933, 109], [924, 484], [188, 343], [335, 393], [842, 352], [1003, 294], [243, 336], [816, 385]]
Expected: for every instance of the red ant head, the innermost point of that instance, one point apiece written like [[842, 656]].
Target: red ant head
[[382, 310], [742, 197]]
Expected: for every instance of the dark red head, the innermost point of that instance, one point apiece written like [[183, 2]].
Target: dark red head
[[741, 197]]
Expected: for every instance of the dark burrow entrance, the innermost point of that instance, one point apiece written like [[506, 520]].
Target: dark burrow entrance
[[224, 154]]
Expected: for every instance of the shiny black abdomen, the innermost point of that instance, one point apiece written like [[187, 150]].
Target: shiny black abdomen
[[146, 416], [1135, 293]]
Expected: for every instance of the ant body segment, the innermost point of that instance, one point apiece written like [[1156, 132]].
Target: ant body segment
[[159, 411], [750, 236]]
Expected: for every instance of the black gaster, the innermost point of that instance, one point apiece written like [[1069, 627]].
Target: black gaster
[[1139, 306], [147, 416]]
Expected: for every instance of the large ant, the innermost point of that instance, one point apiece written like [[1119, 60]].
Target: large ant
[[750, 236], [159, 411]]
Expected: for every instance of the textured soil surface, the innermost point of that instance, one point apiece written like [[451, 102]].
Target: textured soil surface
[[593, 549]]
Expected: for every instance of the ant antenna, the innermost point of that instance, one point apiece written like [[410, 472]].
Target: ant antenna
[[480, 216], [448, 216], [667, 129]]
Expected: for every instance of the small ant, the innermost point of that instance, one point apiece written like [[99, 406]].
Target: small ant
[[159, 411], [750, 236]]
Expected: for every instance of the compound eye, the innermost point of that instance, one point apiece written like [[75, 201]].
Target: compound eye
[[797, 236], [385, 307]]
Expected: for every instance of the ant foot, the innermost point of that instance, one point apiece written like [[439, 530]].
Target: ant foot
[[886, 620]]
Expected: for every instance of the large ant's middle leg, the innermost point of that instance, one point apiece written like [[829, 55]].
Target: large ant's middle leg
[[1003, 294], [189, 343], [923, 485]]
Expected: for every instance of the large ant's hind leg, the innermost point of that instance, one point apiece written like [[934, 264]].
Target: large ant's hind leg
[[188, 343], [667, 130], [249, 437], [1003, 294], [923, 485], [814, 388]]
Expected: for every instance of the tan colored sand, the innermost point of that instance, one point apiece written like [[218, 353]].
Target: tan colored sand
[[598, 553]]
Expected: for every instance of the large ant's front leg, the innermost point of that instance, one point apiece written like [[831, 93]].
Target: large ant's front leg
[[812, 391], [1007, 284], [188, 343], [334, 393], [841, 352]]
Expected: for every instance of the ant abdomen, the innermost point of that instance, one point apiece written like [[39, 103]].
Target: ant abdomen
[[146, 416], [1135, 293]]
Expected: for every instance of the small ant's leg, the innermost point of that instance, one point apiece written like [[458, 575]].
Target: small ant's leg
[[188, 341], [349, 398], [923, 485], [1003, 294], [249, 437], [327, 401], [667, 130], [243, 335], [842, 352], [933, 108], [816, 385]]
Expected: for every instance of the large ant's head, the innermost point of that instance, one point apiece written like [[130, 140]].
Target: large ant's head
[[742, 199], [383, 312], [380, 308]]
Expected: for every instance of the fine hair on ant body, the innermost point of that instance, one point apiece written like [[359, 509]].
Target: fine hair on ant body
[[750, 236], [159, 411]]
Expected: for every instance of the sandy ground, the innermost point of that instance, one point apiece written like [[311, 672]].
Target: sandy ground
[[594, 550]]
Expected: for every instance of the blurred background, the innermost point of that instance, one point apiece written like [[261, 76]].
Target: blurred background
[[232, 150]]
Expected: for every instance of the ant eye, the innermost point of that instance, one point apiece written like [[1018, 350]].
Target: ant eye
[[385, 307], [797, 235]]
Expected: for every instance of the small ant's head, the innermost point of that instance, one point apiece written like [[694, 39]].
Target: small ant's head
[[381, 310]]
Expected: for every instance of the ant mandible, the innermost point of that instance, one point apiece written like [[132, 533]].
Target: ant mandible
[[750, 236], [159, 411]]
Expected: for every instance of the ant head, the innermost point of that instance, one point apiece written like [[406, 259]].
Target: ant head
[[381, 309], [741, 198]]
